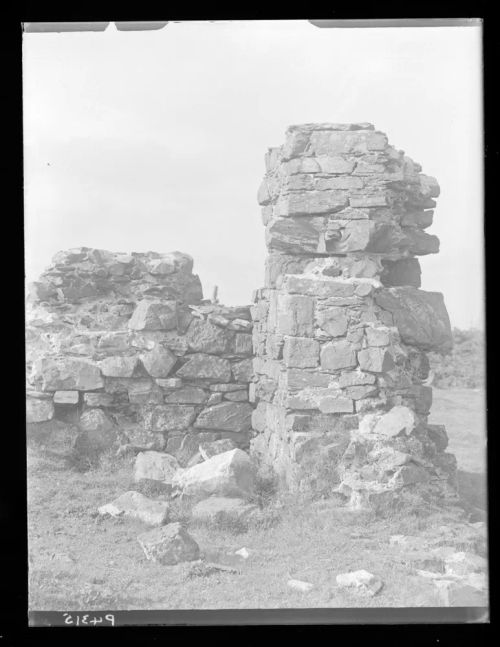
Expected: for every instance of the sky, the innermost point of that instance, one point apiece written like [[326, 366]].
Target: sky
[[155, 140]]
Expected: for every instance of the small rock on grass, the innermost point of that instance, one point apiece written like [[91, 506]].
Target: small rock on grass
[[242, 552], [364, 582], [169, 544], [137, 506], [205, 569], [299, 585]]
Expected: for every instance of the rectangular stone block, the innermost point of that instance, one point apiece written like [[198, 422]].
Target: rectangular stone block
[[301, 352], [338, 355], [295, 315], [375, 360], [322, 288], [66, 397], [311, 203]]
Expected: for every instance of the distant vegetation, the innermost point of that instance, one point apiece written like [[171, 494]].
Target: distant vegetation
[[465, 366]]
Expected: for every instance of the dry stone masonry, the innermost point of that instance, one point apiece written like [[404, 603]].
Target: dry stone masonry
[[341, 327], [122, 349], [321, 379]]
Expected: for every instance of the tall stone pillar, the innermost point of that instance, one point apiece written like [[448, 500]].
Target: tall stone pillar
[[341, 327]]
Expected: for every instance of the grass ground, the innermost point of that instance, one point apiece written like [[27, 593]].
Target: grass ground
[[79, 560]]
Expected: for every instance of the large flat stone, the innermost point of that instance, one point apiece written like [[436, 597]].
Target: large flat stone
[[337, 355], [300, 352], [39, 410], [159, 361], [295, 315], [229, 474], [169, 417], [205, 337], [154, 315], [66, 374], [421, 317], [137, 506], [206, 367], [226, 416], [118, 366]]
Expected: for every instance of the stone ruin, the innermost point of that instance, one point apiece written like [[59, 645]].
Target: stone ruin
[[123, 349], [341, 327]]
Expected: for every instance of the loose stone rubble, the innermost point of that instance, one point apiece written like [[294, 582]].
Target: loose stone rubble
[[341, 327]]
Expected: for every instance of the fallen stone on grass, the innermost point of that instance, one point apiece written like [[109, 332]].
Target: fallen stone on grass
[[169, 544], [156, 466], [137, 506], [299, 585], [364, 582], [208, 510], [205, 569], [228, 474]]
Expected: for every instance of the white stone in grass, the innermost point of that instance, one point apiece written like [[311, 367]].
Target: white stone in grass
[[137, 506], [364, 582], [243, 552]]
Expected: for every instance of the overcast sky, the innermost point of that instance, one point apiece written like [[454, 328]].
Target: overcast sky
[[155, 140]]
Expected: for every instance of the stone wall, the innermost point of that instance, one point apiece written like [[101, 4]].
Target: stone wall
[[123, 350], [340, 327]]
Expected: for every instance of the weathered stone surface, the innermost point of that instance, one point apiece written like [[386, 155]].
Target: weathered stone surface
[[66, 397], [98, 399], [227, 388], [137, 506], [362, 581], [237, 396], [169, 544], [398, 420], [378, 336], [206, 367], [336, 404], [154, 315], [187, 395], [356, 378], [118, 366], [226, 416], [405, 271], [375, 360], [169, 382], [205, 337], [156, 466], [229, 474], [295, 315], [333, 321], [169, 417], [319, 287], [159, 361], [97, 432], [294, 235], [300, 352], [211, 509], [243, 344], [242, 371], [420, 317], [209, 449], [39, 410], [337, 355], [296, 379], [66, 374]]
